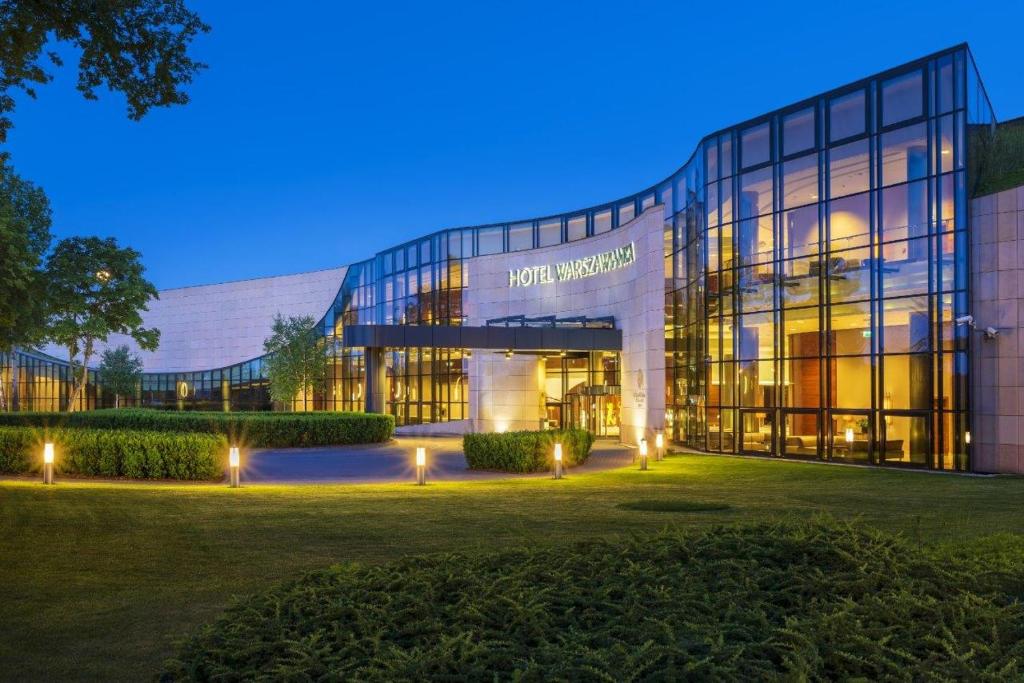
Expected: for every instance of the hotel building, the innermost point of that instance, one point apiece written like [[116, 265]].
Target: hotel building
[[814, 283]]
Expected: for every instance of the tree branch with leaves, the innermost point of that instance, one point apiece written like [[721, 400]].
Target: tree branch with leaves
[[24, 239], [94, 289], [298, 359], [136, 47], [120, 372]]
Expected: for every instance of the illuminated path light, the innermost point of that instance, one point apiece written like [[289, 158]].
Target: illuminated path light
[[48, 463], [659, 445], [558, 461], [643, 454], [421, 465], [234, 461]]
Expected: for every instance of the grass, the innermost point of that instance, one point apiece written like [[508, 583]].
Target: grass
[[672, 506], [97, 580]]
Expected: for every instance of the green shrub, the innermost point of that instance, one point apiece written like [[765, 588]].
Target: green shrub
[[115, 453], [804, 602], [255, 430], [525, 451]]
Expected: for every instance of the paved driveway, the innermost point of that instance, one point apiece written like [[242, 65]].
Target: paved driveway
[[392, 462]]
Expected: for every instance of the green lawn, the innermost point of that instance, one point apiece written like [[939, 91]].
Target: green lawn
[[97, 580]]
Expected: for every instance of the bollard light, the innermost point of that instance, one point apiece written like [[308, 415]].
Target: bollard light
[[421, 465], [643, 454], [48, 463], [659, 444], [849, 435], [558, 461], [234, 460], [967, 438]]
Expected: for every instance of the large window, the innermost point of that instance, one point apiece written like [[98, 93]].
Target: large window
[[821, 325]]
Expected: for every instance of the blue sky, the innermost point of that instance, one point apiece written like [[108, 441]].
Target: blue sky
[[323, 132]]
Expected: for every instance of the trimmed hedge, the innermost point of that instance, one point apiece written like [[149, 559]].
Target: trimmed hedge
[[121, 453], [818, 601], [526, 451], [255, 430]]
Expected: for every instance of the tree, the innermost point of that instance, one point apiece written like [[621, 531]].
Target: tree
[[298, 358], [94, 289], [136, 47], [24, 239], [120, 372]]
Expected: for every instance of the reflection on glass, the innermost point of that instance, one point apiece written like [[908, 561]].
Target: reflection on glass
[[755, 193], [905, 267], [711, 159], [798, 131], [756, 287], [902, 98], [904, 154], [489, 241], [626, 212], [800, 332], [800, 232], [849, 275], [905, 325], [849, 171], [906, 440], [602, 221], [549, 233], [849, 388], [520, 236], [851, 437], [800, 281], [846, 116], [850, 222], [800, 435], [800, 181], [726, 161], [851, 329], [757, 432], [711, 205], [576, 228], [756, 237], [756, 336], [755, 147], [905, 211]]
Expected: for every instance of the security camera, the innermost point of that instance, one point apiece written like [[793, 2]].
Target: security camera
[[965, 320], [991, 333]]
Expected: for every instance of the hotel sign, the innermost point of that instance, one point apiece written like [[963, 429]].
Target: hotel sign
[[576, 269]]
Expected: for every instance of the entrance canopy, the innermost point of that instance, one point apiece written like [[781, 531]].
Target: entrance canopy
[[489, 337]]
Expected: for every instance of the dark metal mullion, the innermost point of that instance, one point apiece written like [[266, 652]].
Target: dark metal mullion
[[875, 314], [824, 305], [934, 288], [777, 313]]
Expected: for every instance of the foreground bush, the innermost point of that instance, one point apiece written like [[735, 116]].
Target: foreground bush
[[109, 453], [818, 601], [255, 430], [525, 451]]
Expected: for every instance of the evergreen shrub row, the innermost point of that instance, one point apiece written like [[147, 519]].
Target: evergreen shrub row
[[811, 601], [115, 453], [254, 430], [526, 451]]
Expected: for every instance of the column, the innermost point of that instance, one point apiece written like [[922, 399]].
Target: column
[[376, 379]]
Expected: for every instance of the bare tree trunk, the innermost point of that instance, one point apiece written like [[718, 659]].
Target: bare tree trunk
[[117, 401], [5, 358], [79, 383]]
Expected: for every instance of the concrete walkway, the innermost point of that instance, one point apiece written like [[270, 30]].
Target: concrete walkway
[[393, 462]]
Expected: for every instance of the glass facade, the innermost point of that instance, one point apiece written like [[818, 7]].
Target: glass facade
[[818, 261], [815, 261]]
